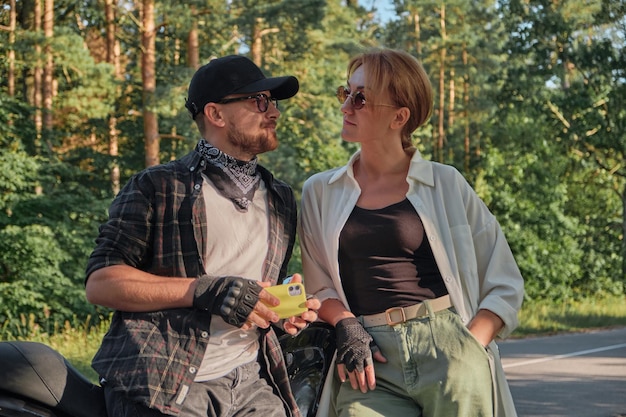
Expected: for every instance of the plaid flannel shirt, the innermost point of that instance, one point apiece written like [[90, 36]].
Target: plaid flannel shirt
[[158, 224]]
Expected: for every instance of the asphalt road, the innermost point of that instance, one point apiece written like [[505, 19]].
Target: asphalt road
[[569, 375]]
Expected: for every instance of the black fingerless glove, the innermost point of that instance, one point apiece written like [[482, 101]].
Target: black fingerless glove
[[232, 298], [354, 344]]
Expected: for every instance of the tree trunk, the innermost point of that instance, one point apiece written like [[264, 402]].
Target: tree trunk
[[37, 76], [150, 124], [193, 45], [112, 58], [48, 72], [442, 86], [451, 99], [466, 122], [257, 43], [11, 54], [417, 29]]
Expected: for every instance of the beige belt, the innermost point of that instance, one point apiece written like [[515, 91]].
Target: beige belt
[[397, 315]]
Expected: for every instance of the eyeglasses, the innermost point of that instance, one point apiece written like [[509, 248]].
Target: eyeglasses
[[262, 101], [357, 99]]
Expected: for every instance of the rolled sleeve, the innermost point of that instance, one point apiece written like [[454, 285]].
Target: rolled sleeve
[[502, 287]]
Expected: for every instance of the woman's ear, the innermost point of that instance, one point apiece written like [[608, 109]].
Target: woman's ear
[[214, 115], [401, 118]]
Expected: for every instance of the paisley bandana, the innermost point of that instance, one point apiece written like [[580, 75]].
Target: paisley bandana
[[234, 179]]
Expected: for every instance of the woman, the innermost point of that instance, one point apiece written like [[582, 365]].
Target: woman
[[412, 269]]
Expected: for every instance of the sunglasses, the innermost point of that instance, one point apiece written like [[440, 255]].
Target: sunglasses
[[262, 101], [357, 99]]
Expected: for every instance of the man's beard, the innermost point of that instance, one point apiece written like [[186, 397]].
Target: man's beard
[[252, 144]]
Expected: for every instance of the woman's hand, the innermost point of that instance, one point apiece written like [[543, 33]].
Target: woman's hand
[[356, 352], [485, 326], [294, 325]]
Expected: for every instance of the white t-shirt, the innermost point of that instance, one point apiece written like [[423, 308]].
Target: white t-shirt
[[237, 246]]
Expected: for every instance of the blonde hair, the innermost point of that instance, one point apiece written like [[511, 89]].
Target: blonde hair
[[404, 77]]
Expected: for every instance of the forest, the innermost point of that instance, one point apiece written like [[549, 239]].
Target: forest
[[530, 107]]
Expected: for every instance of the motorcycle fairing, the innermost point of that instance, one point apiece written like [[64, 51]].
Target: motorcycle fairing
[[308, 357]]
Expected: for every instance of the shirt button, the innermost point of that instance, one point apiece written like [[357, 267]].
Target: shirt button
[[204, 335], [192, 370], [196, 187], [192, 169], [433, 238]]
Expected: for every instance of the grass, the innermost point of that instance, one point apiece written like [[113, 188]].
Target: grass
[[79, 342], [546, 317]]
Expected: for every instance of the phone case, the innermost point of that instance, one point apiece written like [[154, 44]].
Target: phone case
[[292, 299]]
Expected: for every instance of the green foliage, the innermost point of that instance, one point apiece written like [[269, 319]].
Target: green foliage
[[533, 103], [15, 123], [86, 88], [528, 201], [17, 173], [48, 221], [68, 208], [31, 279], [310, 124]]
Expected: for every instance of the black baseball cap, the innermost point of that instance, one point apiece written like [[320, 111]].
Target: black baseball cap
[[234, 74]]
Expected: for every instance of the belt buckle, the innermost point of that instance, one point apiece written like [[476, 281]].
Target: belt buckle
[[388, 312]]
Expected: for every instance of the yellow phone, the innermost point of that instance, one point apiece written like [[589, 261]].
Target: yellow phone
[[292, 299]]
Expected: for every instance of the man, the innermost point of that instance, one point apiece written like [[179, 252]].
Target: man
[[184, 258]]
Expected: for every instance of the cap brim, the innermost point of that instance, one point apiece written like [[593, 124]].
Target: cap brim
[[280, 88]]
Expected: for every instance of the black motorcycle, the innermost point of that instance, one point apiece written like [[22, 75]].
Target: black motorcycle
[[37, 381]]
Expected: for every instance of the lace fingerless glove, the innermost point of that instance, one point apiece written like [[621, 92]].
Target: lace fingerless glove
[[354, 345]]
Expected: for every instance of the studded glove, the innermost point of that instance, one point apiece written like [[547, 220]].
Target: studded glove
[[232, 298]]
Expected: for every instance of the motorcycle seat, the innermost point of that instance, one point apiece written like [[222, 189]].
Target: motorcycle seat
[[35, 371]]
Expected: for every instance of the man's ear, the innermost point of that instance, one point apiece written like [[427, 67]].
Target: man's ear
[[401, 118], [214, 115]]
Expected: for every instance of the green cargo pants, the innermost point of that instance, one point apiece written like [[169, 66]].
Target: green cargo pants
[[435, 368]]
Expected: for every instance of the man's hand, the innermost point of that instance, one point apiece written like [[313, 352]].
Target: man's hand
[[236, 300], [296, 324], [262, 316]]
